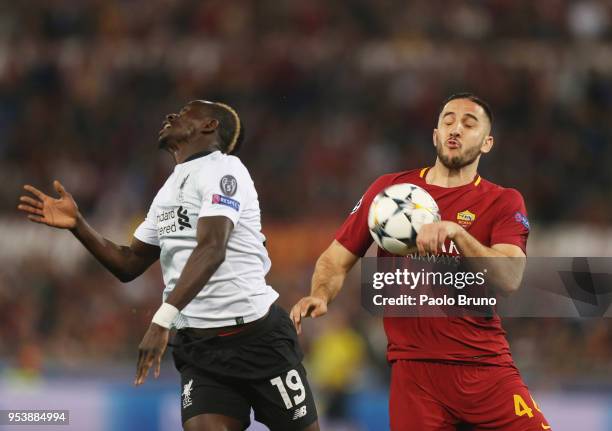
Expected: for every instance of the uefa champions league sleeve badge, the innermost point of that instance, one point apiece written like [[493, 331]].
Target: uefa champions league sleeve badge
[[228, 185]]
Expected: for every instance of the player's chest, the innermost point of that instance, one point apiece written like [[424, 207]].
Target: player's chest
[[475, 212], [177, 206]]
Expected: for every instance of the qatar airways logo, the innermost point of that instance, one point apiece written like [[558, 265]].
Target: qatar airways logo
[[449, 253], [169, 222], [452, 249]]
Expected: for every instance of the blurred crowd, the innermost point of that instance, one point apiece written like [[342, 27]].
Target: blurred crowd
[[333, 94]]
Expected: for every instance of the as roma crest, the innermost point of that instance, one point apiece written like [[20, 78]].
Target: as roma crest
[[466, 218]]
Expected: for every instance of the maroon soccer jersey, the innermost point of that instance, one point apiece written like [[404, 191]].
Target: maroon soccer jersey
[[491, 214]]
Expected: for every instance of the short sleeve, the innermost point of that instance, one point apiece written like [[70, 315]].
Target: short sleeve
[[354, 234], [511, 225], [224, 191], [147, 231]]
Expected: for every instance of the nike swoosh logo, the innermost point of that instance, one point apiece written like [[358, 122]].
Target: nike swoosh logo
[[545, 427]]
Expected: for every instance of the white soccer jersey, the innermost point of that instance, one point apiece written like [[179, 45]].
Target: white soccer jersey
[[213, 184]]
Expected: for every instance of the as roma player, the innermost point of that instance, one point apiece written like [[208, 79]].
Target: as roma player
[[456, 372]]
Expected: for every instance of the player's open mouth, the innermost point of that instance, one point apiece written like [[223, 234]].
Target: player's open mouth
[[166, 126], [452, 143]]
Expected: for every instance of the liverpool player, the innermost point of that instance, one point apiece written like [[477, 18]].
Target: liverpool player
[[235, 349], [455, 371]]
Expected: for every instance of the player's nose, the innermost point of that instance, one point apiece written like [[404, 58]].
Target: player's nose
[[171, 117]]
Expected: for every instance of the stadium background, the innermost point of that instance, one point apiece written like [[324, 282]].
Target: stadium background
[[333, 94]]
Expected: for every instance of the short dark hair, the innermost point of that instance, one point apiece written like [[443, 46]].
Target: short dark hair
[[231, 129], [470, 96]]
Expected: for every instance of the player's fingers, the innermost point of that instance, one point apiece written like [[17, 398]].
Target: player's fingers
[[157, 365], [318, 310], [148, 363], [40, 195], [37, 219], [292, 312], [142, 374], [309, 308], [300, 310], [59, 188], [433, 244], [139, 366], [295, 315], [441, 239], [298, 326], [30, 209], [31, 201], [305, 307], [420, 246]]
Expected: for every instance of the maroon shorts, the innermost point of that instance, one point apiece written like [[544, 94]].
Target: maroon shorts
[[435, 396]]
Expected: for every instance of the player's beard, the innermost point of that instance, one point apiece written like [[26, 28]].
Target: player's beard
[[457, 162]]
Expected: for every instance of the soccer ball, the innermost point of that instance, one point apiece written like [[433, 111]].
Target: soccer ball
[[397, 214]]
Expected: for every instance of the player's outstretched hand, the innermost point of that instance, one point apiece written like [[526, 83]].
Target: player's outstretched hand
[[61, 213], [309, 306], [150, 352]]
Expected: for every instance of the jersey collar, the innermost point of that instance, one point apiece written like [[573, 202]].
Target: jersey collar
[[197, 156], [475, 181]]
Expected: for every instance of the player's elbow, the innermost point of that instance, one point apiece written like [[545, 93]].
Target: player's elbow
[[328, 266], [334, 261], [219, 257], [125, 276], [213, 254], [129, 272], [508, 289], [510, 286]]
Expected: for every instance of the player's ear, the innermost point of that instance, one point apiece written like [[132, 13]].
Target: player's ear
[[209, 125], [435, 134], [487, 144]]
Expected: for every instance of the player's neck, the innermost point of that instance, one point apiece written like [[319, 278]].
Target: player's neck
[[184, 152], [442, 176]]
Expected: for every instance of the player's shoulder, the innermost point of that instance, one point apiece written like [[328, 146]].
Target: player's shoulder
[[507, 195], [224, 164], [396, 178]]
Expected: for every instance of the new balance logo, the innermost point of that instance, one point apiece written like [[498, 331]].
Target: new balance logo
[[299, 413], [183, 218]]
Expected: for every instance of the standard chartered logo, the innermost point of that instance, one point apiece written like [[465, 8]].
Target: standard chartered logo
[[183, 218], [169, 221]]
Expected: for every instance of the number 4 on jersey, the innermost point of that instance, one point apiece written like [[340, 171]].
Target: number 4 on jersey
[[294, 382], [520, 407]]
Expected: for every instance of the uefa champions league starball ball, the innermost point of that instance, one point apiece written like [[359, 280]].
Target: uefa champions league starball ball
[[397, 214]]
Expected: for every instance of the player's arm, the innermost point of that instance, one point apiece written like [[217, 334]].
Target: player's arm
[[505, 271], [351, 242], [327, 280], [212, 236], [125, 262]]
